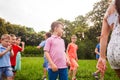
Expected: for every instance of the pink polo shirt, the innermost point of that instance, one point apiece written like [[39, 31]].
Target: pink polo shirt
[[56, 48]]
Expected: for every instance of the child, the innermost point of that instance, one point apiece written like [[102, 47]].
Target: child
[[5, 53], [15, 49], [72, 53], [45, 64], [97, 51], [18, 57], [55, 53]]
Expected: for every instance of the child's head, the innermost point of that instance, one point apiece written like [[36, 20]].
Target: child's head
[[98, 38], [57, 27], [74, 38], [5, 40], [47, 35], [18, 40], [13, 39]]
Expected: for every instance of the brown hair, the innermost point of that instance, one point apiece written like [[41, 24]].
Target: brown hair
[[19, 37], [55, 24], [117, 4], [12, 35], [5, 36], [48, 34]]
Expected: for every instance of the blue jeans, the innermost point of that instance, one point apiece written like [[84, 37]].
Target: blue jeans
[[7, 71], [62, 73]]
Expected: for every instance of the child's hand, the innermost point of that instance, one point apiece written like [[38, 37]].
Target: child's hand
[[54, 67], [76, 59], [68, 62], [9, 48], [22, 43]]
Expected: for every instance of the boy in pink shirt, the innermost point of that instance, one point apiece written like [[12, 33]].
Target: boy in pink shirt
[[55, 53]]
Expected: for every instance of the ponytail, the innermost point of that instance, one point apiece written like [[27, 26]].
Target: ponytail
[[117, 4]]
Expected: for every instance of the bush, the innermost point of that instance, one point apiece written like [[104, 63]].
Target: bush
[[32, 51], [86, 49]]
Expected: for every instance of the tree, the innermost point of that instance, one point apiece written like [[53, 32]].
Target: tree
[[2, 26], [30, 30], [95, 17]]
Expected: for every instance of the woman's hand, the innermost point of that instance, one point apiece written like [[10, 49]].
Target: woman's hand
[[101, 65]]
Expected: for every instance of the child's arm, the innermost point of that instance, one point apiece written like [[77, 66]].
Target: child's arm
[[5, 51], [53, 66], [76, 54], [67, 57], [42, 44], [67, 50], [38, 47], [76, 57], [96, 51], [11, 53], [23, 45]]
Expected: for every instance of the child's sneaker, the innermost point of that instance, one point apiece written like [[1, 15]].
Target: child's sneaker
[[44, 78], [96, 76], [74, 78]]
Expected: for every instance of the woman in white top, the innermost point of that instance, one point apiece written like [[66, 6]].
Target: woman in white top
[[111, 22]]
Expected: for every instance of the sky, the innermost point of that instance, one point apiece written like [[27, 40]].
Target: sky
[[39, 14]]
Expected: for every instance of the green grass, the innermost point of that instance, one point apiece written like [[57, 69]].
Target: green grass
[[32, 70]]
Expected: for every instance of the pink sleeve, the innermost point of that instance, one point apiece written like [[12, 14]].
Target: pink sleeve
[[47, 45]]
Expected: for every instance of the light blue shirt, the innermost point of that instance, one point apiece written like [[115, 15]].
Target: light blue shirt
[[42, 44], [5, 59]]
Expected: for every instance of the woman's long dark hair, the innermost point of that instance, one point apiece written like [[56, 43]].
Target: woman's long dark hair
[[117, 4]]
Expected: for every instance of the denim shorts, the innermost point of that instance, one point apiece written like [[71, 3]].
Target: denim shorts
[[97, 56], [62, 73], [7, 71], [45, 64]]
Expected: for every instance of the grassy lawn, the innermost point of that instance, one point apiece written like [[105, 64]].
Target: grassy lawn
[[32, 70]]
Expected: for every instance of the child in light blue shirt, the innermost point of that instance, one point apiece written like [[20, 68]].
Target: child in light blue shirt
[[5, 53]]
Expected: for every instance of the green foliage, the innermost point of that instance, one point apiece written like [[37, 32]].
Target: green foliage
[[86, 49], [32, 51], [78, 26], [95, 17], [32, 69], [30, 30], [2, 27], [28, 35]]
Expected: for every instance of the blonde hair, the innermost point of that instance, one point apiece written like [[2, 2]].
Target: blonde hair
[[73, 36], [5, 36], [55, 24]]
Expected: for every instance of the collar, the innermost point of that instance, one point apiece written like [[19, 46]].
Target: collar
[[2, 47], [54, 36]]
